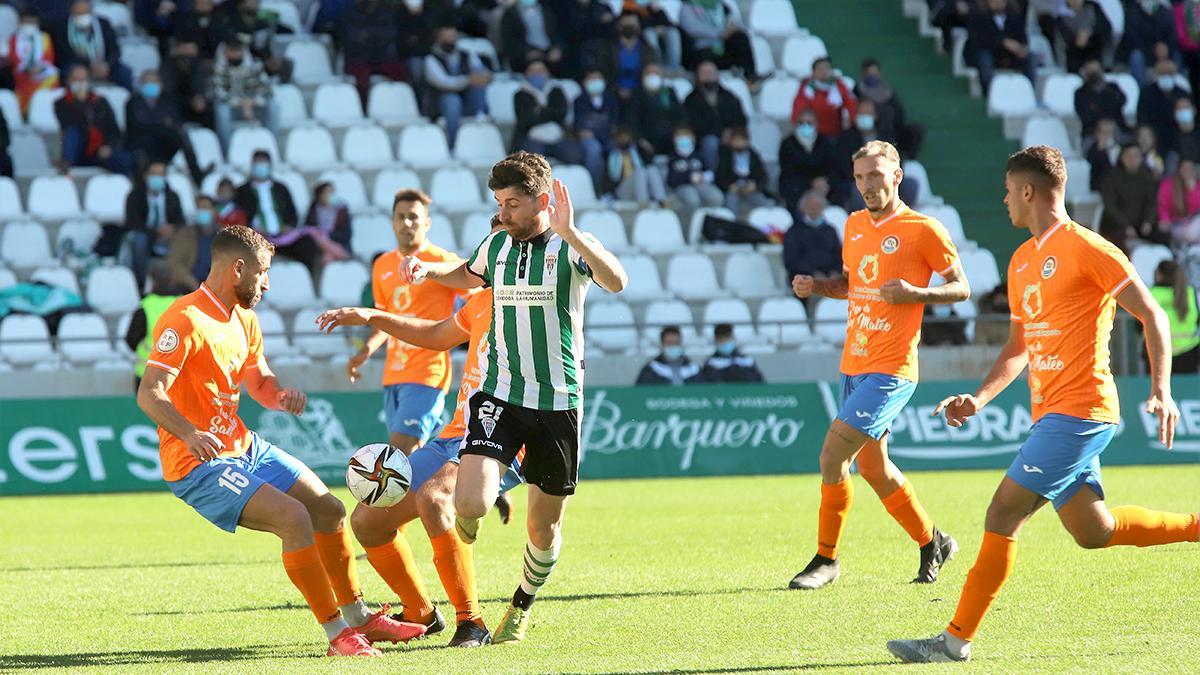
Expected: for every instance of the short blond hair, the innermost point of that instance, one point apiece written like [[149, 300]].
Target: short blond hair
[[877, 148]]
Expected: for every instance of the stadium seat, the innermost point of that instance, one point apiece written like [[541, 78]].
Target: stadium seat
[[7, 278], [948, 216], [310, 148], [310, 61], [117, 98], [291, 286], [483, 48], [287, 13], [311, 341], [836, 216], [783, 321], [393, 104], [424, 146], [56, 275], [751, 275], [455, 189], [800, 51], [342, 283], [372, 234], [104, 197], [670, 313], [292, 111], [117, 14], [572, 90], [682, 87], [738, 87], [182, 185], [29, 154], [1058, 93], [479, 144], [915, 170], [657, 231], [274, 331], [476, 227], [112, 290], [692, 276], [83, 338], [500, 95], [1114, 11], [776, 96], [1128, 86], [207, 146], [644, 281], [695, 233], [10, 108], [770, 218], [579, 185], [298, 187], [607, 226], [1146, 258], [610, 325], [10, 200], [78, 235], [367, 147], [773, 17], [982, 272], [733, 311], [336, 104], [830, 317], [441, 231], [53, 198], [765, 137], [245, 140], [1011, 95], [140, 55], [1079, 182], [1047, 130], [25, 340], [764, 58], [388, 182], [349, 187], [41, 110]]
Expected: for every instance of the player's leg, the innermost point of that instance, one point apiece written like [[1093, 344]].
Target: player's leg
[[1094, 525], [411, 411], [495, 434], [476, 489]]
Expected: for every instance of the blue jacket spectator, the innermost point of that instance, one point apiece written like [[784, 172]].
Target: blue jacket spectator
[[811, 246], [597, 114]]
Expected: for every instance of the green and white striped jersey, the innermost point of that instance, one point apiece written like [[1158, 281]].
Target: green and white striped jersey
[[535, 346]]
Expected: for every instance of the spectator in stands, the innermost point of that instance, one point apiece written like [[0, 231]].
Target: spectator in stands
[[457, 79], [687, 174], [1147, 140], [806, 161], [1177, 297], [201, 28], [845, 144], [948, 15], [1129, 201], [728, 364], [632, 174], [1102, 152], [671, 366], [154, 126], [713, 31], [228, 212], [1187, 32], [206, 225], [597, 114], [996, 38], [1098, 99], [993, 327], [241, 91], [654, 112], [623, 61], [827, 95], [160, 19], [1179, 203], [658, 30], [32, 55], [88, 39], [90, 135], [741, 174], [811, 245], [1045, 15], [241, 21], [1149, 37], [1185, 134], [529, 32], [328, 223], [890, 117], [415, 23], [1156, 102], [1085, 31], [153, 214], [369, 44], [713, 111], [541, 126], [187, 77], [591, 25], [138, 335], [270, 210], [6, 164]]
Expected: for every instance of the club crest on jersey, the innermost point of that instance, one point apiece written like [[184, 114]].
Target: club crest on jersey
[[890, 244], [1031, 300], [489, 414], [868, 268], [1049, 267], [551, 262], [168, 341]]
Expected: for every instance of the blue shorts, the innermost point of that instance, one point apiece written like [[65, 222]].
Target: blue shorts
[[431, 457], [413, 409], [872, 401], [1061, 455], [219, 489]]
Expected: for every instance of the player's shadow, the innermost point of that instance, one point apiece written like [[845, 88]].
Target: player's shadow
[[140, 657]]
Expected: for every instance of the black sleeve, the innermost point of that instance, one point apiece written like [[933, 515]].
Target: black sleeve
[[135, 210], [287, 206], [137, 330], [647, 376], [175, 209]]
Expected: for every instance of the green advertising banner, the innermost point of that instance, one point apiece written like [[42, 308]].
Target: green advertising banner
[[107, 445]]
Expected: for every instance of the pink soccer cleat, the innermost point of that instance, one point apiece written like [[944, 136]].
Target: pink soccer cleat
[[351, 643], [383, 628]]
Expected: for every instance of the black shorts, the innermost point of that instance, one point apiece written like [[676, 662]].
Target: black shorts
[[498, 429]]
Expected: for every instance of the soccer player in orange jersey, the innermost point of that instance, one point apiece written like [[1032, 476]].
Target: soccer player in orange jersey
[[1064, 284], [889, 255], [206, 346]]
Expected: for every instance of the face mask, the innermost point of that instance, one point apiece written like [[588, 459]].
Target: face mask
[[414, 6], [673, 352], [1166, 82], [1095, 80], [684, 145], [261, 170], [813, 222], [204, 218], [872, 80], [235, 62], [629, 31], [652, 82], [528, 3], [1148, 6], [726, 348], [83, 21], [865, 122], [156, 183], [1185, 117], [594, 87], [806, 132], [151, 90], [447, 47], [709, 86], [30, 29], [335, 199], [79, 90], [537, 81]]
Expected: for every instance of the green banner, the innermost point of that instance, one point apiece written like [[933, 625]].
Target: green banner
[[107, 445]]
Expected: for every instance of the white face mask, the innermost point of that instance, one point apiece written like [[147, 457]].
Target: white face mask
[[865, 122], [30, 29], [1186, 117], [83, 20], [652, 82], [414, 6], [1166, 82]]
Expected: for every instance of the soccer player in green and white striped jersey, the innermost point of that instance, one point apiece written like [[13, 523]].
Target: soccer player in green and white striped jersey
[[539, 267]]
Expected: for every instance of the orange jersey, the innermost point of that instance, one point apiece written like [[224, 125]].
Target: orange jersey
[[475, 318], [1062, 289], [429, 300], [208, 350], [882, 338]]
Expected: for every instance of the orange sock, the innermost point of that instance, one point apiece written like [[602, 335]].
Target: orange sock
[[455, 565], [997, 556], [1136, 526], [338, 558], [394, 562], [304, 568], [907, 510], [835, 504]]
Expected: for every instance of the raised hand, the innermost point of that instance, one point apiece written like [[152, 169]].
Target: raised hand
[[343, 316], [562, 214], [958, 409], [410, 270]]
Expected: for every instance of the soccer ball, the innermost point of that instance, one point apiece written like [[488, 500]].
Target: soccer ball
[[379, 475]]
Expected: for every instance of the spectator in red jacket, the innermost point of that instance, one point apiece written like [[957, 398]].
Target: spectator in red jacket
[[825, 94]]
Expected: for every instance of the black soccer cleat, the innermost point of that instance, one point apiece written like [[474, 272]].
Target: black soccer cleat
[[470, 634], [936, 553], [435, 624], [504, 508], [821, 571]]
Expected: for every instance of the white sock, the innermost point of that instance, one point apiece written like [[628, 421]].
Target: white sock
[[956, 644], [538, 565], [334, 628], [356, 614]]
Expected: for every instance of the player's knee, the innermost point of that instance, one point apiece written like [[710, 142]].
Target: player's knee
[[369, 529], [328, 513], [470, 506], [545, 535], [294, 521], [1092, 537]]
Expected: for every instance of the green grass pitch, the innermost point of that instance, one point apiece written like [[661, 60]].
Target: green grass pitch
[[656, 575]]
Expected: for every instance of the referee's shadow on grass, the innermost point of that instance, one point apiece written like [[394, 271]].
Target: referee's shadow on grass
[[148, 656]]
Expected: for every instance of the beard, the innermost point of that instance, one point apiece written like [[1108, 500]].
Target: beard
[[522, 229], [247, 296]]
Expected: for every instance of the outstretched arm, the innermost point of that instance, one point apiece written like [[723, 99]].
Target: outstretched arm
[[424, 333]]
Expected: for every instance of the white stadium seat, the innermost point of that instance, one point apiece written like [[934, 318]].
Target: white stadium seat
[[372, 234], [83, 338], [10, 108], [500, 95], [140, 56], [311, 341], [441, 231], [800, 51], [367, 147], [298, 187], [948, 216], [770, 218], [55, 275], [738, 87], [209, 185], [658, 231], [79, 235], [393, 103], [610, 326], [29, 154], [182, 185], [751, 275], [765, 136], [206, 145], [682, 87], [579, 185], [732, 311], [670, 313], [479, 144], [310, 148], [117, 97], [982, 272], [695, 232], [310, 61], [246, 140], [291, 286], [104, 197], [1058, 93], [1129, 86], [287, 13], [773, 17], [342, 282], [10, 199], [53, 198], [388, 182], [336, 104], [476, 227], [41, 110], [274, 331], [112, 290], [764, 58], [607, 226], [693, 277], [24, 339], [836, 216], [1048, 130], [644, 281], [1114, 11], [455, 189], [349, 187], [915, 170], [424, 146], [292, 110], [1079, 182], [830, 317], [776, 96], [1146, 258], [1011, 95], [118, 15], [7, 278], [783, 321]]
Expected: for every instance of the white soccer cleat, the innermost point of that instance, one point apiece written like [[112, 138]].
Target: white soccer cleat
[[929, 650]]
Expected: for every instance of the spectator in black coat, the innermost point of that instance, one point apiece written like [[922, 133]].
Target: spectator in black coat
[[186, 77], [811, 245], [90, 135], [415, 24], [270, 210], [671, 366], [1187, 136], [153, 214], [890, 117], [241, 20], [1098, 99], [654, 112], [742, 175], [597, 114], [712, 111], [541, 125], [160, 19], [1149, 37], [623, 60], [806, 161], [201, 27], [1102, 152], [592, 27], [1085, 31], [529, 32], [88, 39], [997, 39], [728, 364], [154, 126], [1156, 102], [1130, 194], [369, 44]]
